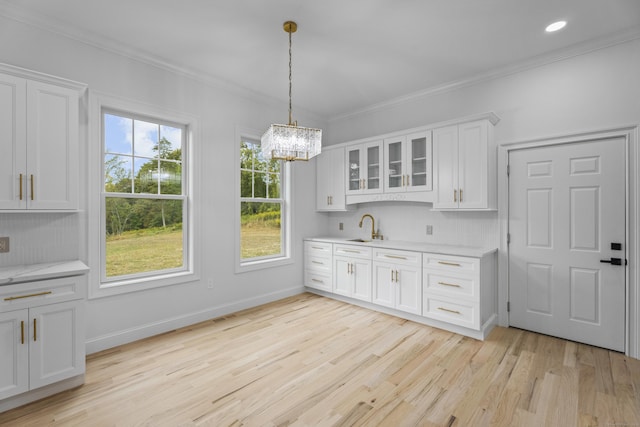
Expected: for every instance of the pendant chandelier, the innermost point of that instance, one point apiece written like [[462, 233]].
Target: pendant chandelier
[[291, 142]]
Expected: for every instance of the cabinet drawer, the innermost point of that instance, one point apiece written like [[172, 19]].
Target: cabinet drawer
[[398, 257], [451, 311], [317, 280], [32, 294], [318, 249], [352, 251], [454, 286], [318, 264], [451, 263]]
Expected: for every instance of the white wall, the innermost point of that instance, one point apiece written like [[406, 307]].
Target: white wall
[[595, 91], [52, 237]]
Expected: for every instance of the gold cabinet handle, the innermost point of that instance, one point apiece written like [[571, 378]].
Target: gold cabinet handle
[[461, 195], [28, 296], [22, 332], [317, 262], [455, 195], [31, 186], [397, 278], [403, 178], [449, 284], [449, 263], [20, 186], [447, 310], [350, 251], [316, 247], [317, 281], [35, 330], [395, 257]]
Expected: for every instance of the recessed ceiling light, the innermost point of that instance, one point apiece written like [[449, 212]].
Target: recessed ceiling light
[[555, 26]]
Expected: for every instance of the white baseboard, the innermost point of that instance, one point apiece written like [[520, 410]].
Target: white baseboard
[[93, 345], [40, 393]]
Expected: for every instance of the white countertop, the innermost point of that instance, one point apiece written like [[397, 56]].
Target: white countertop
[[47, 270], [443, 249]]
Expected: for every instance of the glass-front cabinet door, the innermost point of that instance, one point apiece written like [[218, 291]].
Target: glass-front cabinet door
[[419, 162], [408, 163], [364, 168]]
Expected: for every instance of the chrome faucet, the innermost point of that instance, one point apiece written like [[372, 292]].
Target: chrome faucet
[[374, 234]]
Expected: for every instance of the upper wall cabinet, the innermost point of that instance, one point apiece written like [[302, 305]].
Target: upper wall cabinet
[[364, 168], [464, 167], [39, 127], [408, 163], [330, 186]]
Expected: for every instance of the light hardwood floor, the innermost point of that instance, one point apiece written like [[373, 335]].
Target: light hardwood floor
[[309, 360]]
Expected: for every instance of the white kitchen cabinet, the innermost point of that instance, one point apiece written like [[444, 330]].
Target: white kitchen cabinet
[[397, 279], [352, 271], [41, 334], [408, 162], [330, 186], [459, 290], [464, 171], [39, 166], [364, 164], [318, 265]]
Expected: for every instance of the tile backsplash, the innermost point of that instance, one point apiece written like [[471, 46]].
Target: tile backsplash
[[40, 237]]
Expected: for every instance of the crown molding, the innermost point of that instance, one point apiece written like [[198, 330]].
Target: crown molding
[[535, 62]]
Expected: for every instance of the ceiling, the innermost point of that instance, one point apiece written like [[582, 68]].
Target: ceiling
[[348, 55]]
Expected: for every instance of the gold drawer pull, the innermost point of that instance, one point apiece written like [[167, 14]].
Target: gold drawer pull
[[28, 296], [22, 332], [396, 256], [32, 187], [317, 247], [20, 186], [317, 281], [449, 284], [317, 262], [35, 330], [350, 251], [450, 311], [455, 264]]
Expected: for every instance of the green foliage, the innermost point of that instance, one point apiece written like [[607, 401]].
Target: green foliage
[[160, 175]]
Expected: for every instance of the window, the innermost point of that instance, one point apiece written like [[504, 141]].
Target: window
[[263, 206], [144, 202]]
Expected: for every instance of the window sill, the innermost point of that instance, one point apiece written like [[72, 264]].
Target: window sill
[[261, 264], [107, 289]]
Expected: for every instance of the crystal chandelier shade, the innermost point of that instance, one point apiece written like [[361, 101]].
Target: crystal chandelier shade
[[291, 142]]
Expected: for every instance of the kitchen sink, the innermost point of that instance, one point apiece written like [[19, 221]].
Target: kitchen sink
[[359, 240]]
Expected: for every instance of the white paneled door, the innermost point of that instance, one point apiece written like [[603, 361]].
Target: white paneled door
[[567, 263]]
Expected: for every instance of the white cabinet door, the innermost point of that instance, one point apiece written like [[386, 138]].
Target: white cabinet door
[[445, 160], [14, 353], [52, 147], [342, 276], [398, 286], [330, 186], [464, 167], [364, 168], [419, 162], [472, 165], [56, 350], [408, 289], [12, 142], [395, 164], [361, 287], [383, 280]]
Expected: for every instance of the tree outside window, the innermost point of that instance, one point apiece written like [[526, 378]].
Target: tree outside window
[[261, 204], [144, 202]]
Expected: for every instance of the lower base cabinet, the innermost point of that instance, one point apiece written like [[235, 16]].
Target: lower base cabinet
[[397, 280], [456, 293], [43, 342], [352, 271]]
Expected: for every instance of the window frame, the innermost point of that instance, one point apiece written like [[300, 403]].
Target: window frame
[[268, 261], [100, 284]]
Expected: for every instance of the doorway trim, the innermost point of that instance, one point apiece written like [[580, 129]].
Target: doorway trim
[[630, 133]]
